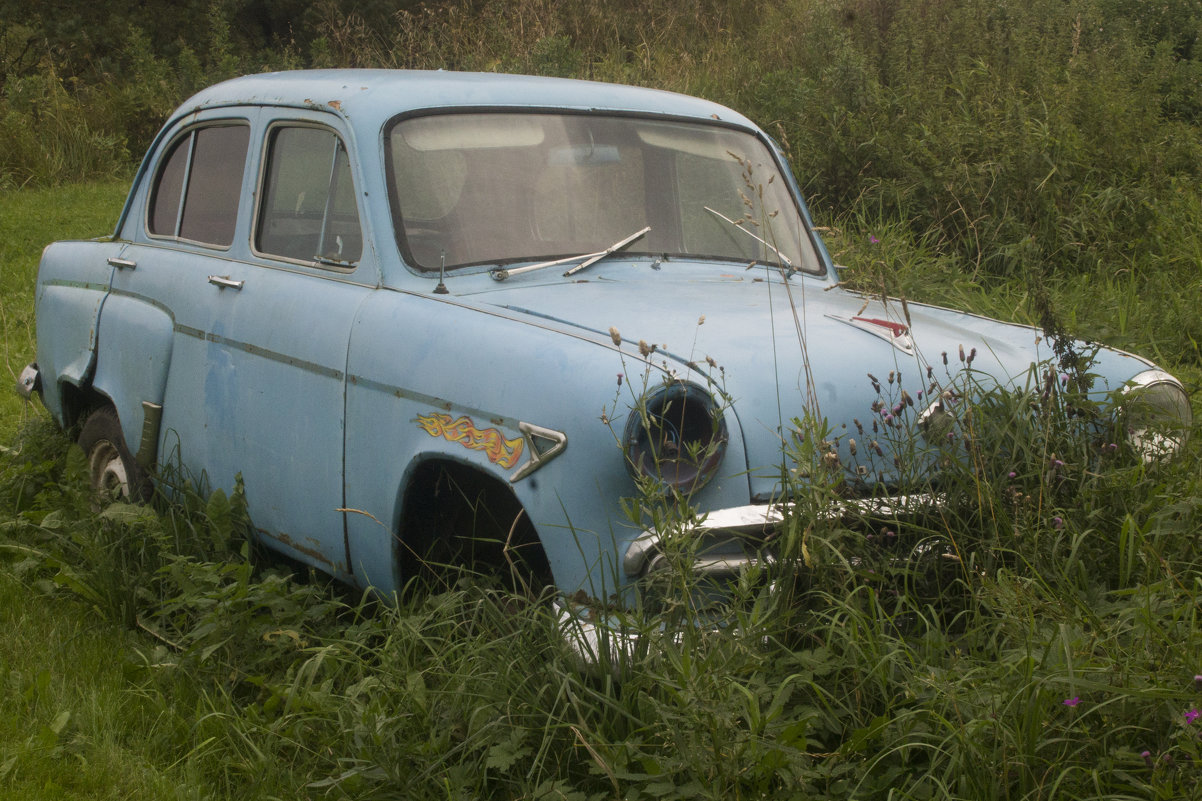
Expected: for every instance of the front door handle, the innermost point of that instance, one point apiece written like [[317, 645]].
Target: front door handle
[[122, 264], [225, 282]]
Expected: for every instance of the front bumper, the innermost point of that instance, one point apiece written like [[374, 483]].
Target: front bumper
[[30, 382], [726, 542]]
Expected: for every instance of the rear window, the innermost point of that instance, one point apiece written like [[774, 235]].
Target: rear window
[[198, 187]]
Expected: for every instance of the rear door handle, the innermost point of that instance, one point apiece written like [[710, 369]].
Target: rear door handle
[[225, 282]]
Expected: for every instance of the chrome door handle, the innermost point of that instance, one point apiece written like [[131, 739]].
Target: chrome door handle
[[225, 282], [122, 264]]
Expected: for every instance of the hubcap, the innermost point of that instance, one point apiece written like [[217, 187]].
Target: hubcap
[[107, 470]]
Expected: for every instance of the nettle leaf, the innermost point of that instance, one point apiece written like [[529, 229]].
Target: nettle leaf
[[503, 755], [219, 511], [127, 514]]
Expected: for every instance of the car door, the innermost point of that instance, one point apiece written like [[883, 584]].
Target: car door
[[260, 316]]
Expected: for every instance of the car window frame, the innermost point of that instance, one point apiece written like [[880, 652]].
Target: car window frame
[[774, 153], [161, 160], [260, 194]]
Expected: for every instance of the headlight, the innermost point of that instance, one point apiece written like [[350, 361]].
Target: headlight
[[1156, 414], [677, 435]]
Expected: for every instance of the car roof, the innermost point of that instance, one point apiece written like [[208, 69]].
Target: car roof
[[376, 95]]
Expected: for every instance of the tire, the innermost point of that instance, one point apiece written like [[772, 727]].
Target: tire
[[112, 471]]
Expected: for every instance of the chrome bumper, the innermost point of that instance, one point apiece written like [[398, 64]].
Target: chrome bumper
[[729, 541], [30, 382]]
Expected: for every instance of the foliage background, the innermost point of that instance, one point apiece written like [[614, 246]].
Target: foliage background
[[1033, 160]]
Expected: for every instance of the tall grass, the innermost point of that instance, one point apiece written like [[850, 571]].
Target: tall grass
[[1045, 646], [1036, 639], [1003, 133]]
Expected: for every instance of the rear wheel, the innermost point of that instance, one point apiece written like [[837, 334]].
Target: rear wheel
[[112, 471]]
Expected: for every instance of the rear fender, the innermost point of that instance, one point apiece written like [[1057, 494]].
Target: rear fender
[[134, 352], [73, 282]]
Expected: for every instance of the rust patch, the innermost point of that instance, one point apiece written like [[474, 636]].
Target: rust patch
[[291, 543]]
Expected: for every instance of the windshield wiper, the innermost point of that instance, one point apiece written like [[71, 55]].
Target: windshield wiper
[[590, 259], [738, 224]]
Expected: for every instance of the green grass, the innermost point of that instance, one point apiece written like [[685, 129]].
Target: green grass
[[29, 220], [1006, 158], [73, 726], [143, 655]]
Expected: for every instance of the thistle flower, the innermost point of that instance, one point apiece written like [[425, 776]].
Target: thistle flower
[[645, 350], [615, 336]]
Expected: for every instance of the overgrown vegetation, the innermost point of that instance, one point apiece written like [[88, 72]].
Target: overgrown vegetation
[[1035, 637], [1038, 639], [1007, 133]]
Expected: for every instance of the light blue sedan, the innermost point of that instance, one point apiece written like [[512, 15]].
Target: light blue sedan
[[443, 317]]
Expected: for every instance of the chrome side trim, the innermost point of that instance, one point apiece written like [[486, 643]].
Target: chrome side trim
[[539, 456]]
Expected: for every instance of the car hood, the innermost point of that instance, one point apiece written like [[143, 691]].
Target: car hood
[[784, 351]]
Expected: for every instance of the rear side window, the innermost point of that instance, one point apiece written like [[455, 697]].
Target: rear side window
[[308, 210], [196, 192]]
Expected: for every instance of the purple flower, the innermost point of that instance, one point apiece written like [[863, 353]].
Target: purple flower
[[1147, 755], [1198, 681], [1011, 474], [1058, 523], [872, 239], [1076, 699], [1192, 715]]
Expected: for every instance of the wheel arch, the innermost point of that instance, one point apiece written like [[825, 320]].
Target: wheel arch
[[451, 508]]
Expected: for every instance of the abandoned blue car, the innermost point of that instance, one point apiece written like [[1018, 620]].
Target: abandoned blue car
[[432, 316]]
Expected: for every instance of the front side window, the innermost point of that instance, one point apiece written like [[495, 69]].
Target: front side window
[[495, 188], [196, 192], [308, 211]]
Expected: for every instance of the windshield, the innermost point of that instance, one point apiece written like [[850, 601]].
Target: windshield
[[499, 188]]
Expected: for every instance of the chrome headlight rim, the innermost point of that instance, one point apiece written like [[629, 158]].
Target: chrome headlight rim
[[1163, 433], [686, 441]]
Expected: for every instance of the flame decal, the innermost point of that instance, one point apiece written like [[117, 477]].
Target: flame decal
[[505, 452]]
